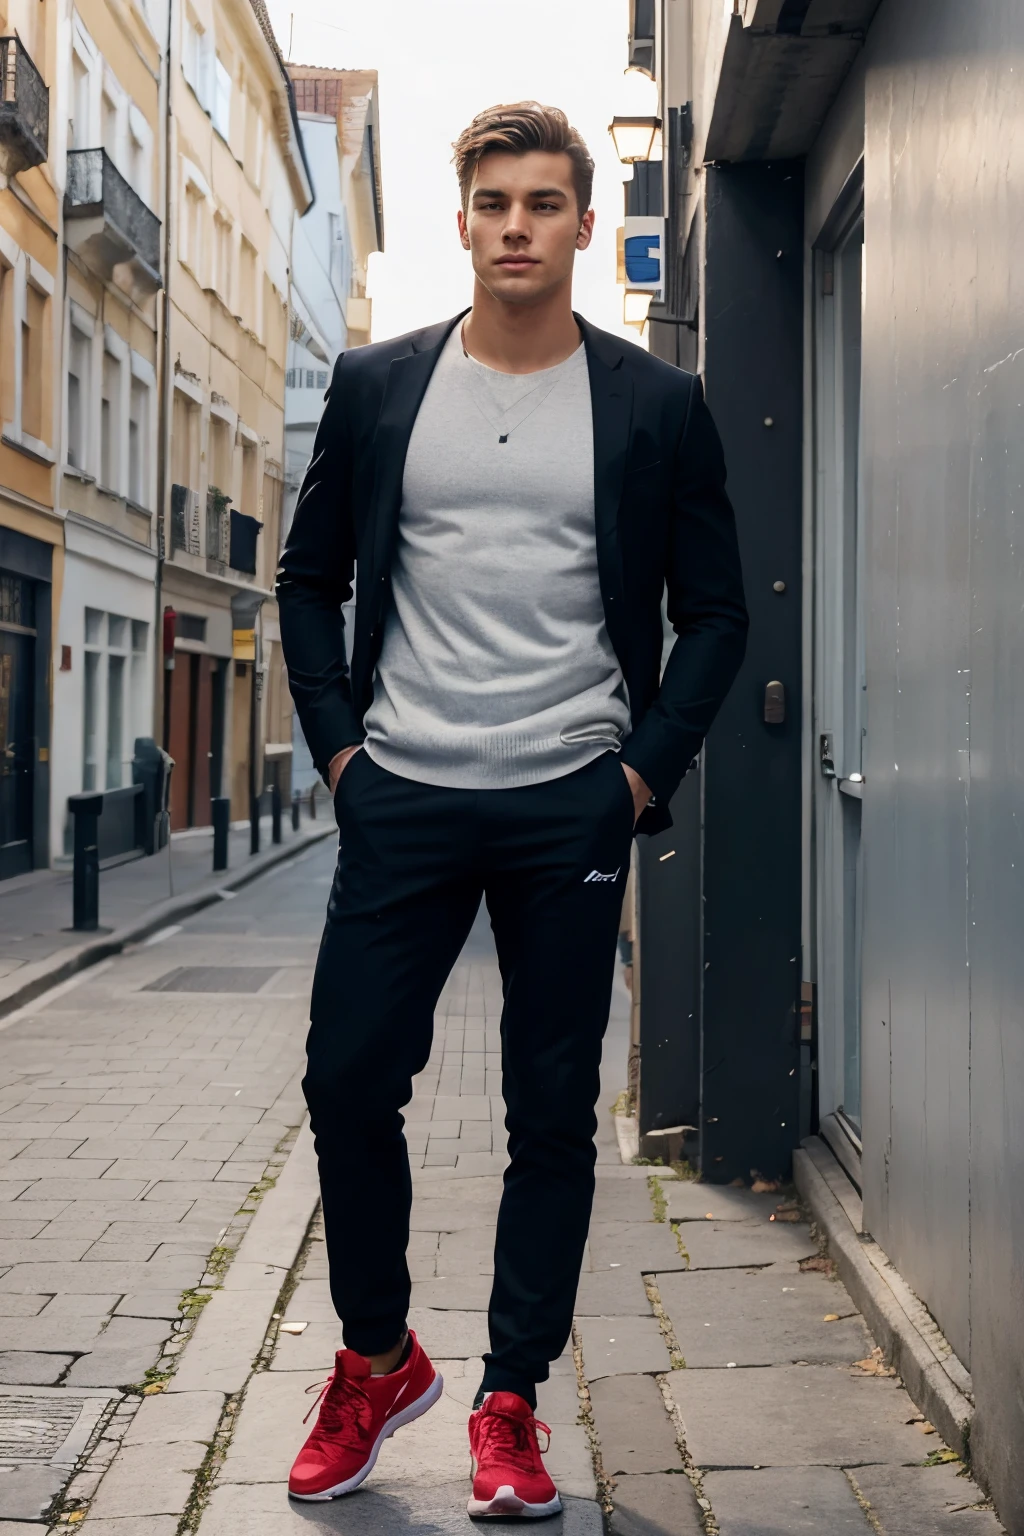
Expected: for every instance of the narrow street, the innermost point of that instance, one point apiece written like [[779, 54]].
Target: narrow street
[[163, 1292]]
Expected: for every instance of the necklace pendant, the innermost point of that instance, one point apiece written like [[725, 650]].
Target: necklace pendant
[[503, 438]]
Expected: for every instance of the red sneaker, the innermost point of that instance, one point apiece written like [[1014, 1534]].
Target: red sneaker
[[508, 1475], [357, 1414]]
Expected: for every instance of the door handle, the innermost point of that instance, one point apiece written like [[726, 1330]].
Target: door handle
[[774, 703]]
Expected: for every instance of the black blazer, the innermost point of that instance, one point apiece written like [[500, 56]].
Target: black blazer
[[663, 522]]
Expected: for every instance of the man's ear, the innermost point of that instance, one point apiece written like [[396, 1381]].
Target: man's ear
[[463, 231], [586, 233]]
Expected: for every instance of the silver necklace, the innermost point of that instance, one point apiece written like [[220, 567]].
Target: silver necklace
[[504, 435]]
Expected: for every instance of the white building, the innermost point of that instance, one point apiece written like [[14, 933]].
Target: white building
[[330, 247]]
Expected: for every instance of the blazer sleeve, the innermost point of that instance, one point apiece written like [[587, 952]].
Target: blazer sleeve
[[705, 606], [314, 579]]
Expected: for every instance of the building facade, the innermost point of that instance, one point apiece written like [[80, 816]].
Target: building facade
[[330, 309], [237, 179], [31, 536], [840, 195], [109, 127]]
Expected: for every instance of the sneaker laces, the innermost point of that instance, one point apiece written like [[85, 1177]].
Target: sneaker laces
[[511, 1439], [345, 1410]]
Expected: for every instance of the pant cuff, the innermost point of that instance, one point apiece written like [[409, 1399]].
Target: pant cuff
[[498, 1379], [372, 1338]]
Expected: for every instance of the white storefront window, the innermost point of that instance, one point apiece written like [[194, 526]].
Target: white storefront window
[[114, 697]]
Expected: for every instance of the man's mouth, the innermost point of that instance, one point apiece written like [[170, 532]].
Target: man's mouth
[[517, 261]]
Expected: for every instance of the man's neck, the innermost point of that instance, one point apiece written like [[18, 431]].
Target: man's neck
[[521, 338]]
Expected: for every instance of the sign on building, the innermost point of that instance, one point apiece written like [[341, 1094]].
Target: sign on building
[[644, 252]]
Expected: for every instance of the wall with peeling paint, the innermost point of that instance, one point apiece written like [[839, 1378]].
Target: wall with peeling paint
[[943, 424]]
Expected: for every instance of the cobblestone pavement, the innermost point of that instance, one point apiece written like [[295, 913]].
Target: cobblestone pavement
[[711, 1383], [136, 1114]]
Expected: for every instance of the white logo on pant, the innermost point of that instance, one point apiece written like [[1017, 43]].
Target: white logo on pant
[[596, 875]]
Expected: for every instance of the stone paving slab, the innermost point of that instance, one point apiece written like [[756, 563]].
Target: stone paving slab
[[735, 1245], [658, 1504], [794, 1415], [925, 1501], [774, 1316], [787, 1501], [643, 1246], [689, 1201], [375, 1509], [636, 1434], [26, 1491], [622, 1346]]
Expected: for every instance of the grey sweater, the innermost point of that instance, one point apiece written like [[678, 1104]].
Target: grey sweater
[[496, 669]]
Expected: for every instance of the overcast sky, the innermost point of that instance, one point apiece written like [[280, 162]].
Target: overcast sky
[[440, 62]]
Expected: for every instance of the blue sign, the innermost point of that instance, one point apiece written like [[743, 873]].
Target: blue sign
[[641, 265]]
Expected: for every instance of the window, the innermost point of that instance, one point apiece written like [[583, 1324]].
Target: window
[[79, 370], [115, 697], [185, 441], [222, 99], [222, 238], [138, 444], [289, 379], [80, 135], [32, 370], [253, 138], [140, 153], [247, 285], [221, 467], [249, 492], [111, 128], [193, 243], [110, 424], [321, 378], [8, 389]]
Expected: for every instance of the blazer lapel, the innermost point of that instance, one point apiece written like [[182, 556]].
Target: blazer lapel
[[611, 395], [406, 385]]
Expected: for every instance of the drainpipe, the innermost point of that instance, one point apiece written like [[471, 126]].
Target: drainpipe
[[161, 678]]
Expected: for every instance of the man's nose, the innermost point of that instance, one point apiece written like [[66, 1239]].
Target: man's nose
[[517, 225]]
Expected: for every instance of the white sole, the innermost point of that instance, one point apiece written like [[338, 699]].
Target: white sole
[[413, 1411], [507, 1503]]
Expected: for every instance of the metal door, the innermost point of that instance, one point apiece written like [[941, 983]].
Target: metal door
[[838, 671], [17, 724]]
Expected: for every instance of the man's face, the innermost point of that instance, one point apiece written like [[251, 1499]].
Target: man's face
[[523, 227]]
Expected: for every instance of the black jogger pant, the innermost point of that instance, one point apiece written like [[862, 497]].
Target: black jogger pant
[[551, 861]]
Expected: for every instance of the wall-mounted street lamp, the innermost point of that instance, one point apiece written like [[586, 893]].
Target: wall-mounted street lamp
[[634, 137], [635, 304]]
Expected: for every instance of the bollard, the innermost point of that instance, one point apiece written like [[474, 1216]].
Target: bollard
[[254, 825], [296, 806], [87, 810], [221, 822], [275, 813], [312, 802]]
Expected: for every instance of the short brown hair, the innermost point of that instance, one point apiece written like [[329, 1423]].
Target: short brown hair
[[518, 129]]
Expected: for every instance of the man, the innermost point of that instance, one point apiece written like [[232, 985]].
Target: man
[[515, 490]]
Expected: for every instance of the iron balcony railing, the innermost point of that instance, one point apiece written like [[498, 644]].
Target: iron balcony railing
[[95, 187], [24, 109]]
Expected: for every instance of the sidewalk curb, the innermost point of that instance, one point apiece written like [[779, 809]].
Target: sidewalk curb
[[232, 1326], [174, 1432], [859, 1261], [60, 967]]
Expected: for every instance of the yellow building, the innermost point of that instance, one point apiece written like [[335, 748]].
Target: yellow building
[[108, 119], [238, 181], [31, 541]]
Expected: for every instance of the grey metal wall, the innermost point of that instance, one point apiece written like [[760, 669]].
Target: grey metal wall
[[944, 803]]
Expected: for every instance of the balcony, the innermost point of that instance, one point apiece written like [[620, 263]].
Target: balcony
[[24, 110], [107, 223]]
